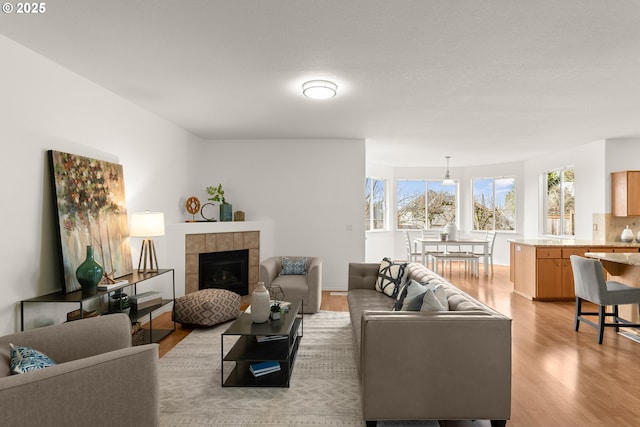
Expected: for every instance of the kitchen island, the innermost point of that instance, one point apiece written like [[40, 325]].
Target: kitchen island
[[541, 270]]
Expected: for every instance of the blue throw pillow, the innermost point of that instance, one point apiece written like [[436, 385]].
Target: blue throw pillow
[[25, 359], [407, 292], [290, 267]]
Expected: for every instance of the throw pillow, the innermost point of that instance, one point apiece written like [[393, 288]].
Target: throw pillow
[[414, 303], [390, 277], [293, 268], [430, 302], [440, 294], [25, 359], [407, 293], [433, 298]]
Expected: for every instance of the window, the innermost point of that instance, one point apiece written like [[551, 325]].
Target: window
[[494, 204], [374, 206], [559, 202], [425, 204]]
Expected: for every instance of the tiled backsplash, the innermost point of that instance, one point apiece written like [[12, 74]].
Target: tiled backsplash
[[609, 227]]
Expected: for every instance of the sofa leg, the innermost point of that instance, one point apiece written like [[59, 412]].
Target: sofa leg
[[372, 423], [498, 423]]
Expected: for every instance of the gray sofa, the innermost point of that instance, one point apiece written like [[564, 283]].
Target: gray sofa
[[446, 365], [99, 379]]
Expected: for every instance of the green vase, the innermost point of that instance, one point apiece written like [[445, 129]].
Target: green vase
[[226, 212], [89, 274]]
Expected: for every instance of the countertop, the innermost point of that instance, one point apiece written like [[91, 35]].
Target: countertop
[[569, 243], [620, 258]]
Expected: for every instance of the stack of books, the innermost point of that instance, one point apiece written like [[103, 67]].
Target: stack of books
[[107, 286], [145, 299], [263, 368]]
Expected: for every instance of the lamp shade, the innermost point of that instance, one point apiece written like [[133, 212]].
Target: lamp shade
[[147, 224]]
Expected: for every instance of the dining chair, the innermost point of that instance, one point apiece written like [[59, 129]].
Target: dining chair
[[431, 249], [490, 236], [413, 254], [590, 285]]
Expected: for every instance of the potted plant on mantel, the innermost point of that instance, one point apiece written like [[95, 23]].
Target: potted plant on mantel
[[217, 195]]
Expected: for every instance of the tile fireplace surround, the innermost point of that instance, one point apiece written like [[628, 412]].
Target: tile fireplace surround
[[185, 241], [196, 244]]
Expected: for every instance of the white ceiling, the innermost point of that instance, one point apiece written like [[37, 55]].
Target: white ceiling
[[485, 81]]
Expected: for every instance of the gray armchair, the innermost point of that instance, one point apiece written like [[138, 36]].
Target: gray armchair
[[99, 379], [306, 287]]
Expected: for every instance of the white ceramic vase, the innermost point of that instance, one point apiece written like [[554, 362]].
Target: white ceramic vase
[[451, 230], [260, 304], [627, 235]]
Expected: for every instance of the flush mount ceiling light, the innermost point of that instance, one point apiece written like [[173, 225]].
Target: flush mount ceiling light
[[319, 89], [447, 178]]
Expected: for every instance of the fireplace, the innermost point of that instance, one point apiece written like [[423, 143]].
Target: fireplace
[[225, 270]]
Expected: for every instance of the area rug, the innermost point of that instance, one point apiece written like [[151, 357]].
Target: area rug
[[323, 390]]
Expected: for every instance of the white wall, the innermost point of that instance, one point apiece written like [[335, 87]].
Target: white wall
[[45, 106], [311, 189]]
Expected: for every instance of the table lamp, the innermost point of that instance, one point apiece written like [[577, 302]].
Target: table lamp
[[147, 224]]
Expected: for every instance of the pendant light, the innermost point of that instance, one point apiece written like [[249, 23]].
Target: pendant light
[[447, 178]]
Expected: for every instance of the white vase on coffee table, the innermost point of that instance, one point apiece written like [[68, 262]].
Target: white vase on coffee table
[[260, 304]]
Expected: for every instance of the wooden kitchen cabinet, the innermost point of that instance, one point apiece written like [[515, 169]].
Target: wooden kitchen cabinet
[[554, 274], [549, 278], [545, 273], [625, 193]]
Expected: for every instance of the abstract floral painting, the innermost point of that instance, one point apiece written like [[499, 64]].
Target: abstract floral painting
[[91, 210]]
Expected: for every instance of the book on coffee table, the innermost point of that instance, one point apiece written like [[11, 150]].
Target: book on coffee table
[[262, 368], [265, 338]]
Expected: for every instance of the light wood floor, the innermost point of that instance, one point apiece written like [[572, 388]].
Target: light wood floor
[[560, 377]]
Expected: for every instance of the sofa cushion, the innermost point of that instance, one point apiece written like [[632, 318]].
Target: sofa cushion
[[391, 276], [461, 302], [294, 268], [26, 359]]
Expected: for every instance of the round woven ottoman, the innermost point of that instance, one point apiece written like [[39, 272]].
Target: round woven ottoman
[[206, 307]]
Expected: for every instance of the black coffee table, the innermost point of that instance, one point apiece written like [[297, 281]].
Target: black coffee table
[[281, 341]]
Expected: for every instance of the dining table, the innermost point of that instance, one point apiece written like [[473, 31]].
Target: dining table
[[424, 242]]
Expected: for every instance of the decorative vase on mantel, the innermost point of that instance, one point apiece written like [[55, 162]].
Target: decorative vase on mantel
[[89, 274], [260, 304], [226, 212]]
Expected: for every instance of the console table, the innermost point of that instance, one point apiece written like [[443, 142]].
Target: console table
[[76, 297]]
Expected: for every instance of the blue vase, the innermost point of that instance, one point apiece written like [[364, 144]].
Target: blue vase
[[226, 212], [89, 274]]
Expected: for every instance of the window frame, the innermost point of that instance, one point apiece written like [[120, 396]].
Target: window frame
[[370, 219], [426, 182], [494, 204], [544, 191]]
